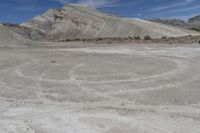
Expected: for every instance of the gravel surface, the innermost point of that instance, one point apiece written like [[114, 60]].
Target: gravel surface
[[100, 89]]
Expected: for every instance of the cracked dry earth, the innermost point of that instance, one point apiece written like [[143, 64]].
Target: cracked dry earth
[[100, 89]]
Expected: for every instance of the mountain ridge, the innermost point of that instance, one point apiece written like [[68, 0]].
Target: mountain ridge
[[195, 19], [192, 23]]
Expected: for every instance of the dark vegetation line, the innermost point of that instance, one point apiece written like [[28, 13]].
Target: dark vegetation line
[[137, 39]]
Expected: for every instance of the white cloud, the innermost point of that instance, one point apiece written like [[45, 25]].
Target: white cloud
[[64, 1], [99, 3], [186, 9], [139, 14], [178, 4]]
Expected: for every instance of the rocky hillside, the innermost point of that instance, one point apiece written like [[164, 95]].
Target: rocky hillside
[[173, 22], [195, 19], [79, 21], [192, 23], [8, 38], [26, 32]]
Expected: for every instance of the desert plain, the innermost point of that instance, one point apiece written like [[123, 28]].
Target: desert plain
[[96, 88]]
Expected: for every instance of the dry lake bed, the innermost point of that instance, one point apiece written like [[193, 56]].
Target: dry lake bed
[[100, 89]]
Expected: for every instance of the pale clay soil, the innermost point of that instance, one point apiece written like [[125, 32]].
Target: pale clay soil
[[100, 89]]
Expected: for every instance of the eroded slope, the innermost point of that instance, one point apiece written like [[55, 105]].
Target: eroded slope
[[79, 21]]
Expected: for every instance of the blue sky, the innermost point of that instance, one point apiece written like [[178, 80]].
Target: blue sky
[[18, 11]]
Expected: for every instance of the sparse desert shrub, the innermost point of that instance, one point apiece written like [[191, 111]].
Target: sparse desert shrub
[[84, 39], [77, 39], [100, 39], [147, 37], [109, 42], [137, 37], [58, 17], [163, 37], [53, 61], [172, 38], [195, 29], [131, 38], [67, 40]]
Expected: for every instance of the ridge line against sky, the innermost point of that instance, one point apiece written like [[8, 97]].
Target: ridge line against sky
[[23, 10]]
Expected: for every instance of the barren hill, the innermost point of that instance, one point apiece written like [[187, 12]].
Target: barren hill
[[80, 21], [195, 19], [8, 38]]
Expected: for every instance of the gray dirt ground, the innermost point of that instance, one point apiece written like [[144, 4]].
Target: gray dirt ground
[[100, 89]]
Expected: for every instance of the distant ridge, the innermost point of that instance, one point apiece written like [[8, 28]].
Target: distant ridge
[[195, 19], [192, 23]]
